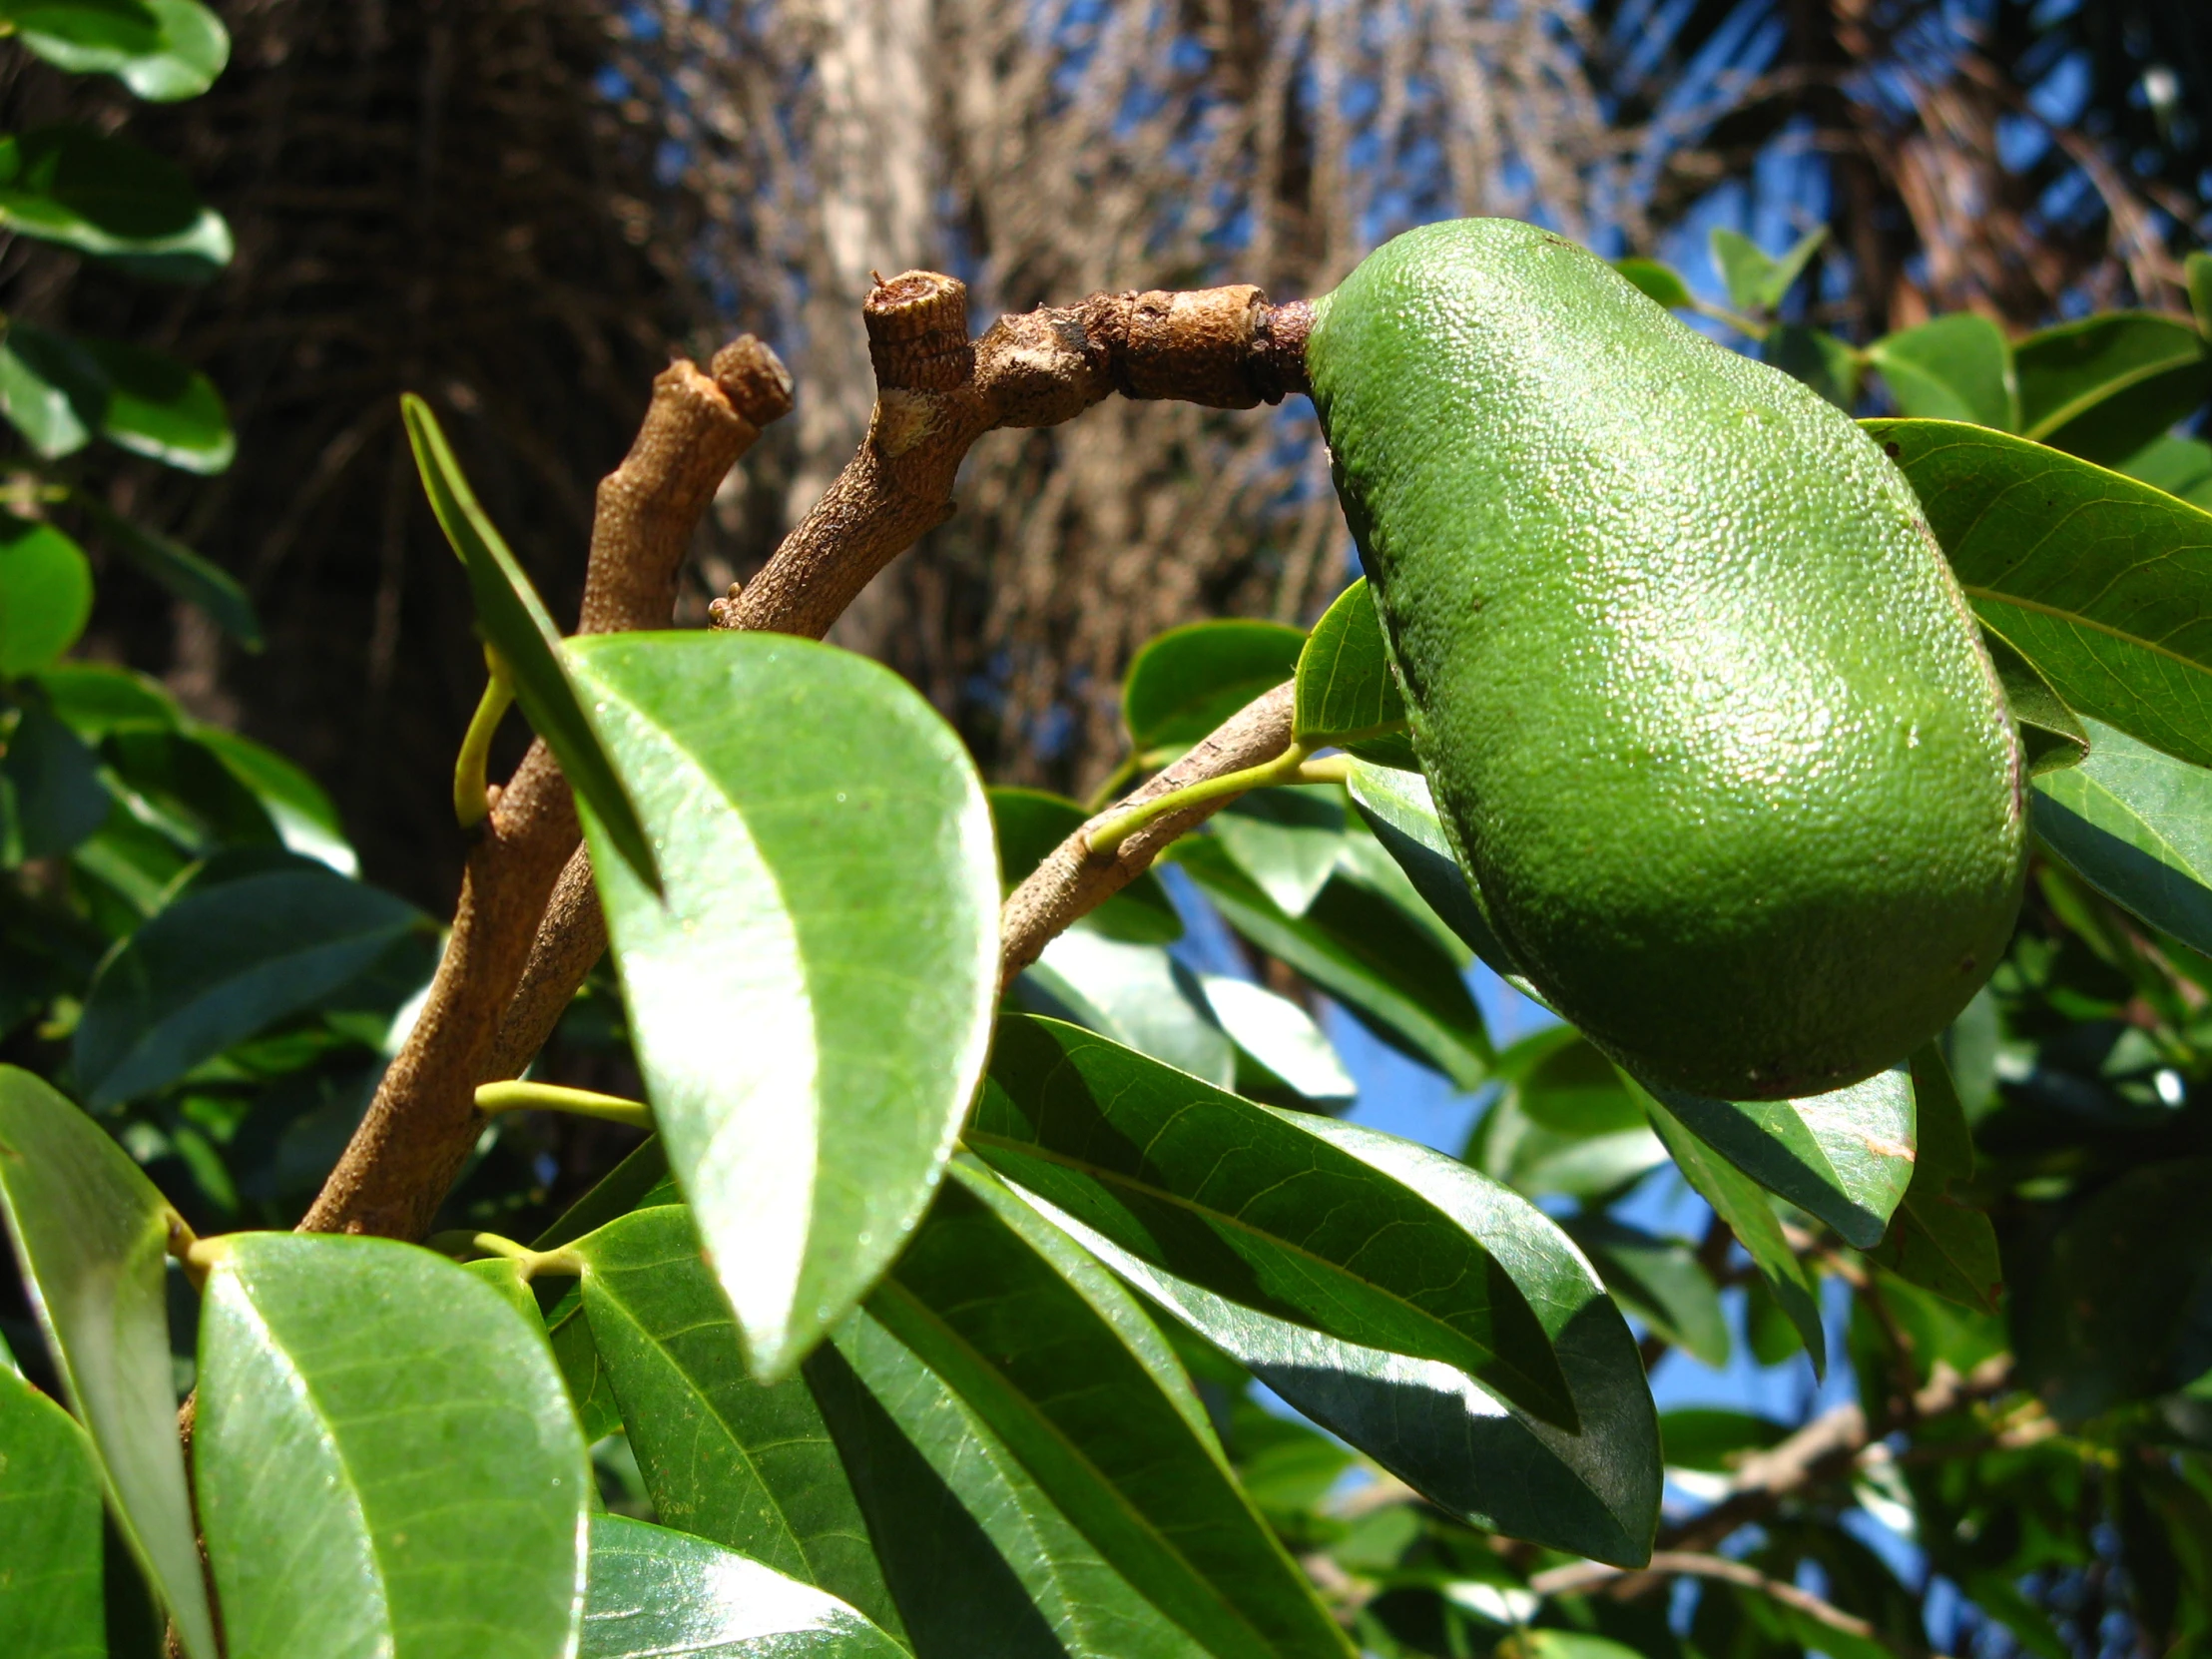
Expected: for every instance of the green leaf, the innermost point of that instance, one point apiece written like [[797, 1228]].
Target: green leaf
[[1365, 952], [1065, 1368], [50, 1585], [1279, 1037], [2198, 269], [745, 1466], [176, 568], [251, 938], [1657, 282], [1289, 840], [1659, 1281], [109, 197], [1956, 368], [50, 390], [811, 1003], [1816, 356], [2104, 583], [45, 593], [1251, 1204], [1845, 1156], [162, 50], [2105, 385], [1347, 690], [1739, 1201], [301, 814], [95, 699], [1565, 1124], [157, 408], [2136, 825], [1189, 680], [1595, 1492], [2179, 466], [514, 622], [1032, 822], [384, 1457], [1707, 1437], [1756, 280], [2052, 737], [1399, 808], [655, 1593], [51, 796], [91, 1237], [980, 1560], [1937, 1239], [1137, 995]]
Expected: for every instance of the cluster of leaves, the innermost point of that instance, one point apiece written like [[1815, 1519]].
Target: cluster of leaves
[[939, 1326]]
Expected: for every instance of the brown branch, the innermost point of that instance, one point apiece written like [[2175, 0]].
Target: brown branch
[[418, 1130], [1589, 1575]]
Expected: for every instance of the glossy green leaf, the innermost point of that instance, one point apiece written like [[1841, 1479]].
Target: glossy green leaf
[[1659, 1281], [1248, 1203], [2136, 825], [158, 407], [45, 593], [1594, 1492], [176, 568], [50, 390], [1277, 1036], [655, 1593], [1709, 1438], [1362, 951], [1138, 995], [1816, 357], [2052, 737], [1657, 282], [1348, 692], [1756, 281], [1845, 1156], [51, 796], [980, 1560], [1189, 680], [384, 1457], [2105, 385], [2179, 466], [111, 198], [640, 1182], [162, 50], [1289, 840], [249, 939], [304, 816], [514, 622], [1031, 822], [95, 699], [51, 1602], [746, 1466], [91, 1237], [1566, 1123], [811, 1003], [1399, 808], [1062, 1365], [1749, 1213], [1956, 368], [1937, 1239], [2104, 583]]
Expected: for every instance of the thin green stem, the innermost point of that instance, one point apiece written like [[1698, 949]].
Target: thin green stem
[[1736, 320], [469, 804], [493, 1098], [1106, 839], [562, 1263]]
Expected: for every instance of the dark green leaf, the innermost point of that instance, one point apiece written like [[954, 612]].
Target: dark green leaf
[[2198, 269], [1365, 951], [1595, 1492], [1065, 1368], [640, 1182], [50, 1569], [811, 1003], [1659, 1281], [176, 568], [1397, 807], [2105, 385], [1660, 282], [1191, 679], [980, 1560], [301, 814], [1290, 841], [1251, 1204], [2104, 583], [92, 1236], [384, 1457], [1749, 1213], [1956, 368], [1845, 1156], [1135, 994], [157, 408], [111, 198], [1566, 1123], [51, 796], [1937, 1239], [1816, 356], [745, 1466], [1712, 1439], [227, 957], [2136, 825], [45, 593], [656, 1593], [514, 622], [162, 50], [1756, 280], [1348, 693], [51, 390], [2052, 737], [1031, 822], [95, 699]]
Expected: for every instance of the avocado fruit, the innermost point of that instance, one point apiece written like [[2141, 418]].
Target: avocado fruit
[[1701, 706]]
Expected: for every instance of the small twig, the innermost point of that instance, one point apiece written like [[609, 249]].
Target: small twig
[[418, 1130], [1589, 1575], [494, 1098]]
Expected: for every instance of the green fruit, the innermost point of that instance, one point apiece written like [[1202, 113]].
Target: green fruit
[[1694, 687]]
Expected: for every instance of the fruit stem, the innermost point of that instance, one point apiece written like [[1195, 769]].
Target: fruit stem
[[472, 804], [1290, 766], [493, 1098]]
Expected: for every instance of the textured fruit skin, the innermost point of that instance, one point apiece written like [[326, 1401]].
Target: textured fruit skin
[[1692, 683]]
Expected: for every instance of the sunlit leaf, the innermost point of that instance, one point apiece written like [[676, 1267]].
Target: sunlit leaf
[[1659, 283], [2103, 386], [45, 593], [1189, 680], [50, 1567], [1290, 841], [2136, 825], [162, 50], [1937, 1239], [108, 196], [1756, 281], [1138, 995], [2052, 737], [1280, 1037], [1956, 367], [1347, 693]]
